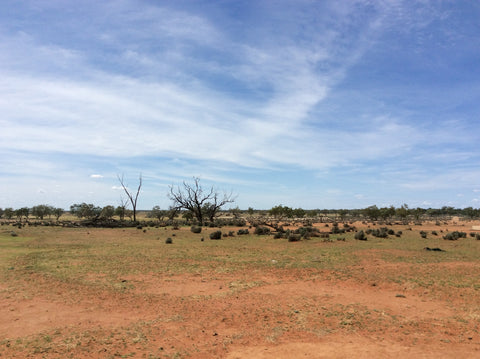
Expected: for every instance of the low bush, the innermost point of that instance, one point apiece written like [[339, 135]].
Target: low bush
[[262, 230], [380, 232], [453, 236], [336, 230], [242, 232], [196, 229], [307, 232], [294, 237], [360, 235], [168, 241], [216, 235]]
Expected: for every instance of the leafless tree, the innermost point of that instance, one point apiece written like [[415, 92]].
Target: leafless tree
[[203, 204], [133, 197]]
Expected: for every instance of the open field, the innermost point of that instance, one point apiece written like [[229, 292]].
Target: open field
[[125, 293]]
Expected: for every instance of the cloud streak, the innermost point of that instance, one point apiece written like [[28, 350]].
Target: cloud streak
[[227, 95]]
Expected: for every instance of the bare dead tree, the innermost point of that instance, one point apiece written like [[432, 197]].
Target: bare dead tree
[[201, 203], [133, 197]]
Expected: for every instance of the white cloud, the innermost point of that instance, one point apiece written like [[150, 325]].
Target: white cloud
[[96, 176]]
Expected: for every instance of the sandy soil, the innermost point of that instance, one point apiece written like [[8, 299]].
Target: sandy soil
[[270, 314]]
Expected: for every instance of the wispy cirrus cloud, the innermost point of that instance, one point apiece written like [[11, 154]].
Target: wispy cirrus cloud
[[306, 87]]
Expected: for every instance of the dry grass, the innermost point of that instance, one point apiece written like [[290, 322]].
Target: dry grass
[[145, 298]]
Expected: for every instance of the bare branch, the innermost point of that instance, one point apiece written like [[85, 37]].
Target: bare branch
[[202, 204], [133, 200]]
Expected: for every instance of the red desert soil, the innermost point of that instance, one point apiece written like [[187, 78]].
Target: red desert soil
[[250, 315], [275, 313]]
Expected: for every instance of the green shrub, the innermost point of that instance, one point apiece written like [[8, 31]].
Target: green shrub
[[423, 234], [336, 230], [216, 235], [242, 231], [453, 236], [307, 232], [380, 233], [168, 241], [196, 229], [262, 230], [360, 235], [294, 237]]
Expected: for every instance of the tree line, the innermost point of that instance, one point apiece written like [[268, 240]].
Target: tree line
[[196, 203]]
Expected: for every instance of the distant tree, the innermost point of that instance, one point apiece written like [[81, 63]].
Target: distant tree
[[299, 213], [120, 210], [402, 212], [41, 211], [387, 212], [187, 215], [22, 212], [129, 213], [172, 213], [203, 204], [1, 212], [8, 213], [281, 212], [434, 212], [57, 212], [342, 213], [448, 211], [133, 197], [471, 213], [107, 212], [85, 210], [418, 212], [372, 212], [250, 211], [236, 212], [157, 213]]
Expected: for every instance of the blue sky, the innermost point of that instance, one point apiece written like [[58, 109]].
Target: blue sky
[[312, 104]]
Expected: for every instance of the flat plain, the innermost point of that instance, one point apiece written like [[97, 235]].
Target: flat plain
[[125, 293]]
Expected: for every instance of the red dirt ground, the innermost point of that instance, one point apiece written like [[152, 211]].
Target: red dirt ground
[[270, 314]]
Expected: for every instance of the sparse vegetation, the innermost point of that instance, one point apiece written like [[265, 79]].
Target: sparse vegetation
[[128, 266]]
